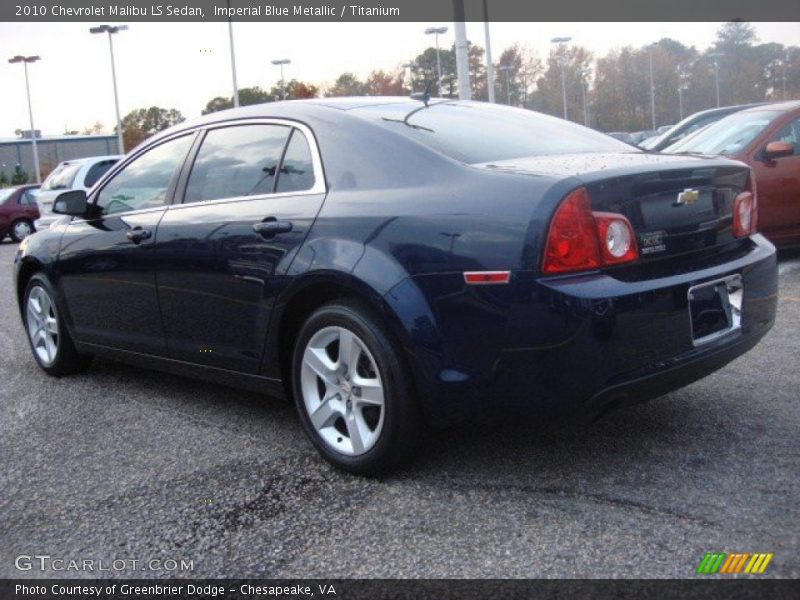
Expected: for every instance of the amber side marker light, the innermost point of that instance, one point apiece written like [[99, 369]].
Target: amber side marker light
[[487, 277]]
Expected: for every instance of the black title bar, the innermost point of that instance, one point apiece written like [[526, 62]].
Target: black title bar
[[397, 10], [396, 589]]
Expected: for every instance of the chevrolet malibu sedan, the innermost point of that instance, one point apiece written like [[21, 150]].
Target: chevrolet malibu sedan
[[395, 263]]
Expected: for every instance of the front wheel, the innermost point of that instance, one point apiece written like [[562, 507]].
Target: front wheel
[[47, 333], [352, 392]]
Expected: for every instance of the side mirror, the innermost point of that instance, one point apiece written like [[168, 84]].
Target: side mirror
[[777, 149], [71, 203]]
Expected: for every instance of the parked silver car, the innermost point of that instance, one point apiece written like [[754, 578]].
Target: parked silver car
[[74, 174]]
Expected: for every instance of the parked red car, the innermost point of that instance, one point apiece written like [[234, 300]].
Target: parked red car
[[18, 211], [767, 138]]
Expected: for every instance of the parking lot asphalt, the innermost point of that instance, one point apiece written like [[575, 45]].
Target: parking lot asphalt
[[126, 464]]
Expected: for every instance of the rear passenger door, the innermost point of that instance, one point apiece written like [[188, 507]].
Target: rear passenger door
[[248, 202]]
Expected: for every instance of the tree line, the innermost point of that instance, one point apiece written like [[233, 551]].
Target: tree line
[[610, 93]]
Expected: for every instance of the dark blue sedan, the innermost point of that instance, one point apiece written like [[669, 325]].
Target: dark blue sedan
[[388, 262]]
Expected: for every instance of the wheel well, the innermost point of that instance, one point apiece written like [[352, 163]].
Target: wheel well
[[26, 271], [297, 311]]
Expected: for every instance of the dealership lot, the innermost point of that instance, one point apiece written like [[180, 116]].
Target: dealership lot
[[131, 465]]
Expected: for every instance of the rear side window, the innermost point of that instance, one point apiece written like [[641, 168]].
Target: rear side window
[[297, 168], [28, 198], [96, 171], [482, 133], [6, 194], [237, 161], [62, 177]]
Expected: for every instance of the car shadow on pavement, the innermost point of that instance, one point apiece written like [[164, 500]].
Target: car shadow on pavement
[[666, 435]]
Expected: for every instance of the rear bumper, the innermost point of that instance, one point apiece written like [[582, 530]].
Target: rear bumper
[[585, 344]]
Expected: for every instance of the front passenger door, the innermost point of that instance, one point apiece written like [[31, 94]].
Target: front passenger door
[[106, 262], [778, 182], [251, 197]]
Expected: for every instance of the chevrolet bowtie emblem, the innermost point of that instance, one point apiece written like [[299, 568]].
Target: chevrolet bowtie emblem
[[687, 196]]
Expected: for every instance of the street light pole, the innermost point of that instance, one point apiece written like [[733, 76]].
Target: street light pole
[[436, 31], [110, 30], [489, 65], [505, 69], [25, 60], [785, 70], [715, 56], [584, 85], [562, 60], [652, 89], [681, 82], [280, 63], [410, 67], [233, 58]]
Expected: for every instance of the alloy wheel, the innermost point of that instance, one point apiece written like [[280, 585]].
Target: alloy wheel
[[42, 322], [342, 390]]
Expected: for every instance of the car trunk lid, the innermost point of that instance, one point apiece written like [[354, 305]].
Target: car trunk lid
[[676, 204]]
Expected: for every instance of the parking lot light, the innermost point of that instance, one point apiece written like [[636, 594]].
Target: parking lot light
[[584, 76], [25, 60], [715, 56], [111, 30], [280, 62], [683, 75], [653, 87], [437, 31], [563, 61], [505, 69]]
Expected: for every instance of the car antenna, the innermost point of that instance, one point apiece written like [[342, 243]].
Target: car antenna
[[423, 97]]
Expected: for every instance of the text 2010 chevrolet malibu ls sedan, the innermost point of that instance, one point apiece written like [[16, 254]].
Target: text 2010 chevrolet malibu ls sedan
[[389, 263]]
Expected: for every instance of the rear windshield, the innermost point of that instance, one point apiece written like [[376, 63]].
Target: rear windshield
[[482, 133], [727, 136], [6, 193], [62, 177]]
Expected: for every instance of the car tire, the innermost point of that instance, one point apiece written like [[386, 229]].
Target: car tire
[[20, 229], [363, 419], [48, 336]]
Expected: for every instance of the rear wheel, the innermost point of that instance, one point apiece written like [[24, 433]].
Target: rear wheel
[[352, 393], [47, 333], [20, 229]]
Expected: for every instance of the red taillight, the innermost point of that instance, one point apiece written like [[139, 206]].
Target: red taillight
[[745, 210], [579, 239], [572, 239]]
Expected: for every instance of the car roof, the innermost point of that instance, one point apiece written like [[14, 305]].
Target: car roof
[[77, 161], [310, 111], [724, 110], [776, 106]]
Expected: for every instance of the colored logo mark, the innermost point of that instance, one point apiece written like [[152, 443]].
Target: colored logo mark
[[737, 562]]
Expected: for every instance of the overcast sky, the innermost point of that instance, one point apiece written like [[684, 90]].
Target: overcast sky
[[184, 65]]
